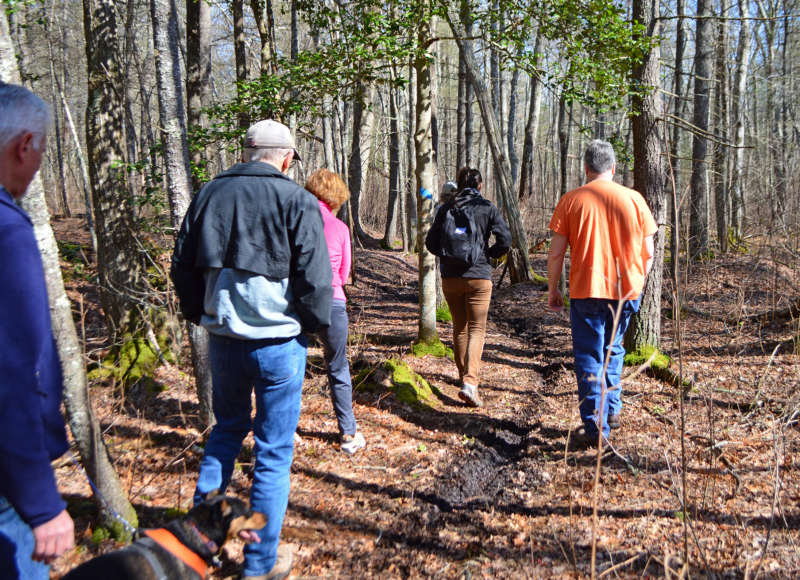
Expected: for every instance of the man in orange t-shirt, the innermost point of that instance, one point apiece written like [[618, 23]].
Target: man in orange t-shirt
[[609, 230]]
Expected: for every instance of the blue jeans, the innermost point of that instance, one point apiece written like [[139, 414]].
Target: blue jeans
[[592, 321], [274, 368], [16, 547], [334, 343]]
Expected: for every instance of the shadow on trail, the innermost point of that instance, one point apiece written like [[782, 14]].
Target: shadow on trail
[[420, 530]]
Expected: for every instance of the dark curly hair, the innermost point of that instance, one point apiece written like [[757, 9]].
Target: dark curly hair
[[468, 177]]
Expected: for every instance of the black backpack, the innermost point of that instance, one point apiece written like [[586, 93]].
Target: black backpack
[[460, 240]]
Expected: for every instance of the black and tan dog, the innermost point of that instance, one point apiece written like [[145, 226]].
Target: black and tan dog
[[182, 550]]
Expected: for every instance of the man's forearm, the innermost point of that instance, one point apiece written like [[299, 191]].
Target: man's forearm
[[554, 266]]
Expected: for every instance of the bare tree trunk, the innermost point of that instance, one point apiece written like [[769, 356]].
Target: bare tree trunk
[[527, 173], [738, 106], [410, 189], [782, 112], [62, 178], [425, 172], [240, 55], [198, 77], [82, 420], [510, 134], [120, 263], [83, 423], [721, 199], [518, 256], [294, 50], [172, 126], [466, 48], [649, 176], [404, 169], [328, 134], [394, 169], [262, 11], [698, 224], [563, 144], [354, 165], [175, 150], [680, 47], [461, 114], [86, 181], [775, 183]]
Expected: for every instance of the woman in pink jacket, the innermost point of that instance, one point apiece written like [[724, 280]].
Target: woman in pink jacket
[[332, 192]]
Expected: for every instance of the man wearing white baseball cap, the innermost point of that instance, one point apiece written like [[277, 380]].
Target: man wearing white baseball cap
[[251, 265]]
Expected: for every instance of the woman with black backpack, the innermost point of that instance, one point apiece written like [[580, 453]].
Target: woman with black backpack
[[460, 237]]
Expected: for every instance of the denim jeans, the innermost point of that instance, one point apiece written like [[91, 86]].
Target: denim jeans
[[592, 321], [274, 368], [334, 343], [16, 547]]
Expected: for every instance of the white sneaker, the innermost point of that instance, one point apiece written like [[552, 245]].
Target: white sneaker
[[469, 394], [352, 443]]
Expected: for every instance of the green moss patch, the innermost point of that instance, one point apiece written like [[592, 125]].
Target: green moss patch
[[443, 313], [641, 356], [438, 348]]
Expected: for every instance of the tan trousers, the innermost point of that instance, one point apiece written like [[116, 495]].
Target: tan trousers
[[468, 300]]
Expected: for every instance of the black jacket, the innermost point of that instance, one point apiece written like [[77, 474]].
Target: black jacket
[[252, 217], [488, 220]]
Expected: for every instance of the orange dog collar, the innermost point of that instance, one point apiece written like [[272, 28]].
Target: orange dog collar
[[173, 545]]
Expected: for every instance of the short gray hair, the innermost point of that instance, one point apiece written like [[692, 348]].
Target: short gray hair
[[268, 154], [599, 156], [21, 111]]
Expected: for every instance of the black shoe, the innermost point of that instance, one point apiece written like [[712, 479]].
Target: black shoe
[[613, 421], [580, 441]]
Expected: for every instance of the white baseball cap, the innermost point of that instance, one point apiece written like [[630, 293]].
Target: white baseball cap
[[270, 134]]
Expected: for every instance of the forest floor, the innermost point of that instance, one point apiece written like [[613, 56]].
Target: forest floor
[[449, 491]]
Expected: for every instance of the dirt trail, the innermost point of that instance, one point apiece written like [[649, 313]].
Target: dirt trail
[[457, 492]]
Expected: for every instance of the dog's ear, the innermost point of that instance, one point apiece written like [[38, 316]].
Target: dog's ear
[[225, 508], [251, 521]]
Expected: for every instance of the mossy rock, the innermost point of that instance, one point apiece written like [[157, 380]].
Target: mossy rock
[[409, 386], [135, 360], [396, 376], [131, 363], [438, 348], [640, 356]]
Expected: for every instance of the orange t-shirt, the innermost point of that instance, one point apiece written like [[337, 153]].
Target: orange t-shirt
[[606, 224]]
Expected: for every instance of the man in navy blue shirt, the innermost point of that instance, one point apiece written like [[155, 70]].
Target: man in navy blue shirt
[[35, 527]]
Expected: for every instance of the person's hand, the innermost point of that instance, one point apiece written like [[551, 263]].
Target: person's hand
[[555, 301], [53, 538], [249, 536]]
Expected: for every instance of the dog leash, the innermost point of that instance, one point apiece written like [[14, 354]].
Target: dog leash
[[148, 555], [125, 523]]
